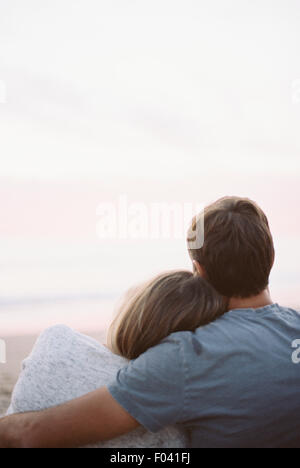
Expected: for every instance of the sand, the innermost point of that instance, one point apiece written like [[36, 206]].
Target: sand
[[18, 348]]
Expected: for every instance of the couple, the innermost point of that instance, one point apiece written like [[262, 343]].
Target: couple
[[198, 359]]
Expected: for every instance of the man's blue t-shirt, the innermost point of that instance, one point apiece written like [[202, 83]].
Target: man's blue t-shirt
[[233, 383]]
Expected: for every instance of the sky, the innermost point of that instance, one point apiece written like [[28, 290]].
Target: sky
[[96, 87], [163, 100]]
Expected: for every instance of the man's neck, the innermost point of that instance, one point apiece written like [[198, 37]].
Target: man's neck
[[255, 302]]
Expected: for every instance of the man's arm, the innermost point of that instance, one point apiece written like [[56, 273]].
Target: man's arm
[[90, 419]]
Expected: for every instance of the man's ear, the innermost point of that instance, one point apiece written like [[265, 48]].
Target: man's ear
[[199, 269]]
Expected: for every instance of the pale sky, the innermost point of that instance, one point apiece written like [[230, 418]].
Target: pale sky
[[162, 99], [107, 87]]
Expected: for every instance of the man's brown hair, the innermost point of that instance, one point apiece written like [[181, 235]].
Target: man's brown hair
[[238, 251]]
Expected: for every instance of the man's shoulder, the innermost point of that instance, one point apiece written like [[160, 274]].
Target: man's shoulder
[[233, 326], [295, 312], [212, 328]]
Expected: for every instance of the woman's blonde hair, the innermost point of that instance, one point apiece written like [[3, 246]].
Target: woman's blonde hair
[[172, 302]]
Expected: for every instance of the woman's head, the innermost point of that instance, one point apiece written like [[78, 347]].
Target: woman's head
[[172, 302]]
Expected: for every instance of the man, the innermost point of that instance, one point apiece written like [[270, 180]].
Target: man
[[232, 383]]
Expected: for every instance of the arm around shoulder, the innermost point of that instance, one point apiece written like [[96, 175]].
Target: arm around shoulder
[[92, 418]]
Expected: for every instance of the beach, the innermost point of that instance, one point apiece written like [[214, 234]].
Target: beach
[[18, 348]]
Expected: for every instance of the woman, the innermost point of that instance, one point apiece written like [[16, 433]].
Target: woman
[[65, 364]]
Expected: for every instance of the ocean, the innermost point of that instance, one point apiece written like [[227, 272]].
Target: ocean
[[43, 283]]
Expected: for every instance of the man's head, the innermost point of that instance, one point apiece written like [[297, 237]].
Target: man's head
[[238, 252]]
